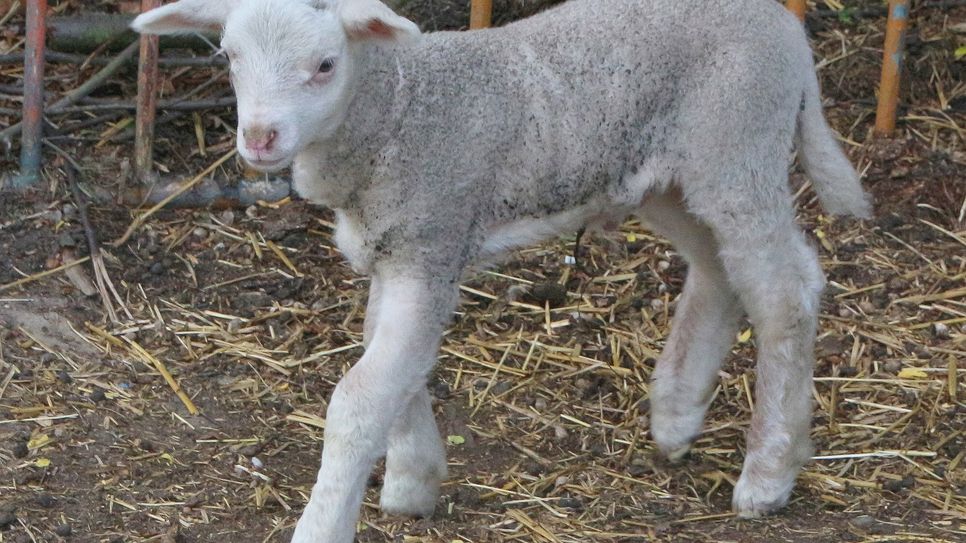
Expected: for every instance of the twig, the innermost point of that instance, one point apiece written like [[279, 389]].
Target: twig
[[158, 365], [89, 86], [170, 105], [97, 258], [184, 188], [73, 58], [43, 274]]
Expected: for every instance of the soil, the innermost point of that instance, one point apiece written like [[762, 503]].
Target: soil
[[545, 408]]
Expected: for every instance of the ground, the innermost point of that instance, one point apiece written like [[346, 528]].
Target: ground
[[542, 384]]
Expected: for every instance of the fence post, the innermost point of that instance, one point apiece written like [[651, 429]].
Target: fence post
[[481, 14], [146, 103], [31, 141], [892, 58], [798, 7]]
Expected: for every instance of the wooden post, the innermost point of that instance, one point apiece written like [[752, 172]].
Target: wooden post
[[481, 14], [892, 59], [798, 7], [146, 103], [31, 142]]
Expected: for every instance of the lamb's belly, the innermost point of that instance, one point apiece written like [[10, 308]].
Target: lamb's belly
[[621, 200]]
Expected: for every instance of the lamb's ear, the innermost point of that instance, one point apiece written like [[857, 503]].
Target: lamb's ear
[[373, 20], [184, 16]]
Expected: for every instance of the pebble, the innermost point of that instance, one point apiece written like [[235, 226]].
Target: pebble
[[560, 432], [63, 530], [551, 292], [940, 330], [227, 217], [863, 521], [892, 366], [199, 233], [257, 462], [7, 518], [657, 304], [540, 404], [157, 268], [64, 377], [561, 481], [65, 239], [20, 450], [98, 395], [45, 500], [663, 265]]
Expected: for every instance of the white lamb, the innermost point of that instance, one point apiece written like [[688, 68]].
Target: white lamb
[[439, 150]]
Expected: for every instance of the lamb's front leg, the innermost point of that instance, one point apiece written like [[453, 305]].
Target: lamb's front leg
[[415, 461], [366, 402]]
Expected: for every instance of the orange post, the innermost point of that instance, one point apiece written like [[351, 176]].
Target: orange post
[[892, 58], [798, 7], [481, 14]]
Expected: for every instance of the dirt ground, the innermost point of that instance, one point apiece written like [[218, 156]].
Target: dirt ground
[[542, 384]]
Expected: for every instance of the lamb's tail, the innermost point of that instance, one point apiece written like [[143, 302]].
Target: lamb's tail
[[832, 175]]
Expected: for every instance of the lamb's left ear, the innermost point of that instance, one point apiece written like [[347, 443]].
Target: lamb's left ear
[[184, 16], [373, 20]]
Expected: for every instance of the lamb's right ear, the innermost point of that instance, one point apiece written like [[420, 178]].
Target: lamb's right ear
[[373, 20], [184, 16]]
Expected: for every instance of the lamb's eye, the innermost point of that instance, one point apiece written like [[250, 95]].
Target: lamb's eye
[[327, 66]]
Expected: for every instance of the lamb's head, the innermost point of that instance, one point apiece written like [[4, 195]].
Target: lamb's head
[[291, 63]]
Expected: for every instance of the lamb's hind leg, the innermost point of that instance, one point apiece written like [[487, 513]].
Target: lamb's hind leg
[[778, 279], [703, 329]]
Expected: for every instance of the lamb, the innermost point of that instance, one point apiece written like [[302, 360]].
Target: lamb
[[441, 150]]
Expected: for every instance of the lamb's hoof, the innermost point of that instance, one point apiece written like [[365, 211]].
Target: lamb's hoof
[[674, 447], [759, 498], [408, 495]]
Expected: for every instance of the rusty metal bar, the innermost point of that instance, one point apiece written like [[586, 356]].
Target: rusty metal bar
[[146, 103], [892, 58], [481, 14], [33, 96], [798, 7]]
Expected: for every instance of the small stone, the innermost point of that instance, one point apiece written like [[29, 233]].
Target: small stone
[[64, 377], [550, 292], [227, 217], [251, 450], [561, 481], [64, 530], [657, 304], [234, 326], [896, 486], [257, 463], [571, 503], [844, 312], [20, 450], [940, 330], [98, 395], [157, 268], [663, 265], [560, 432], [69, 211], [863, 521], [540, 404], [7, 518], [441, 390], [200, 233], [45, 500], [65, 239], [892, 366]]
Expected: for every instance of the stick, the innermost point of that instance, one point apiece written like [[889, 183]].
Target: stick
[[158, 365], [94, 82], [33, 100], [147, 103], [184, 188], [41, 275], [73, 58], [798, 7], [481, 14], [892, 58]]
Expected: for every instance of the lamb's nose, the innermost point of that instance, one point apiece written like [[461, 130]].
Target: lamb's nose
[[259, 138]]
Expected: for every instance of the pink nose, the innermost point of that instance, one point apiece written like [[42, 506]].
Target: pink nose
[[259, 138]]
